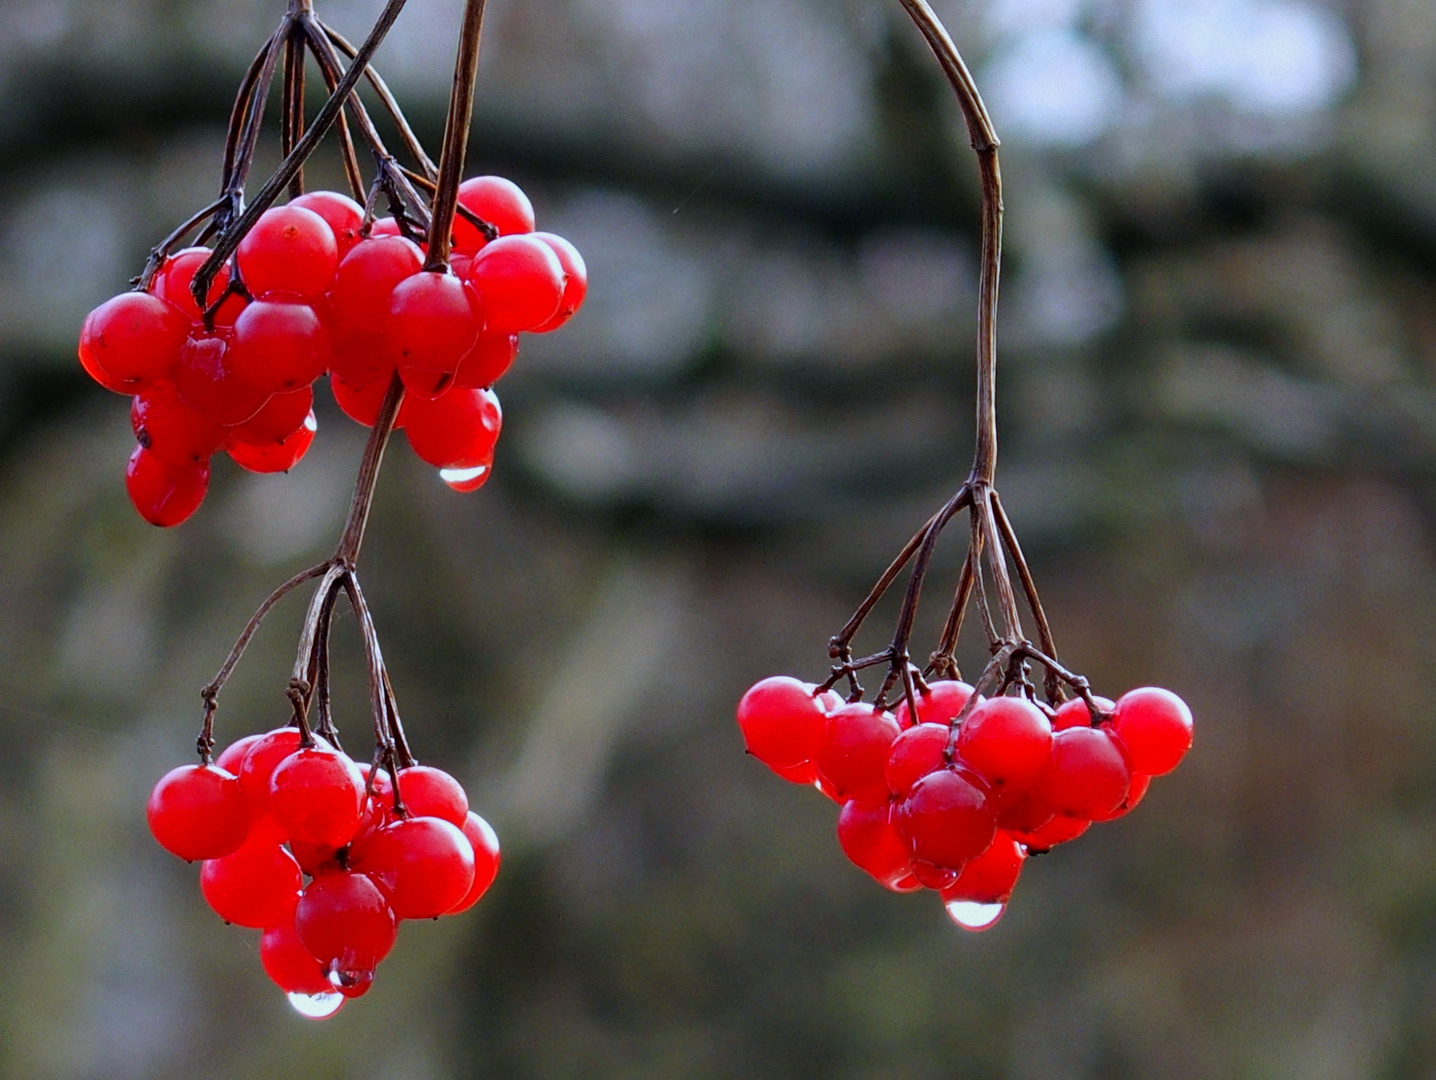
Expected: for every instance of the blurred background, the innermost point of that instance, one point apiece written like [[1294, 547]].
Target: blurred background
[[1218, 402]]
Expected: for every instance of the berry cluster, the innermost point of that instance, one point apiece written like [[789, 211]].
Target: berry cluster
[[956, 798], [314, 287], [270, 812]]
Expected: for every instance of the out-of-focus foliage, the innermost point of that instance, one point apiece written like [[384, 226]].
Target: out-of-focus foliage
[[1218, 399]]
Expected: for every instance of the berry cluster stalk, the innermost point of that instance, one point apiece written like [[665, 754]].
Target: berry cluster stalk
[[992, 540], [230, 220]]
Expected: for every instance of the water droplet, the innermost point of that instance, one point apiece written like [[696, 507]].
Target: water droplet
[[465, 479], [316, 1006], [973, 916]]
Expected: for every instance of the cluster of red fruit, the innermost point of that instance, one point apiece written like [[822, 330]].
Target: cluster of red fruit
[[270, 811], [314, 292], [958, 807]]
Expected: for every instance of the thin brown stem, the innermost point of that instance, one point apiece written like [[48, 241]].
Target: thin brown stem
[[234, 232], [997, 560], [984, 144], [291, 128], [390, 103], [1029, 589], [350, 540], [456, 137]]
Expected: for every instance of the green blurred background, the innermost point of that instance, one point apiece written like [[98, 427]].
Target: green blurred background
[[1218, 401]]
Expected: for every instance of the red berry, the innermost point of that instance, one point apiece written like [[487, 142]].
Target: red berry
[[367, 278], [197, 812], [485, 843], [1087, 775], [315, 859], [870, 840], [267, 751], [344, 922], [500, 202], [805, 773], [172, 285], [455, 431], [342, 214], [1058, 830], [279, 346], [432, 323], [1136, 790], [317, 794], [384, 226], [424, 865], [946, 819], [991, 877], [165, 495], [1022, 810], [232, 756], [362, 403], [289, 964], [519, 281], [170, 429], [943, 701], [916, 752], [575, 286], [431, 792], [361, 359], [1075, 713], [491, 356], [854, 753], [131, 340], [273, 457], [930, 876], [281, 417], [207, 379], [1155, 728], [257, 886], [289, 250], [1008, 740], [781, 721]]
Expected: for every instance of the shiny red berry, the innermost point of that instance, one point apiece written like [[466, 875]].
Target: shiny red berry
[[317, 794], [520, 283], [273, 457], [279, 346], [131, 340], [424, 865], [342, 214], [781, 721], [1057, 830], [172, 285], [367, 278], [1008, 740], [991, 877], [457, 430], [946, 819], [915, 753], [289, 250], [1075, 713], [432, 323], [575, 286], [164, 494], [500, 202], [232, 756], [491, 356], [172, 430], [281, 417], [871, 841], [288, 963], [208, 380], [1155, 728], [944, 699], [853, 756], [431, 792], [1087, 775], [362, 359], [197, 812], [485, 842], [344, 922], [264, 753], [257, 886]]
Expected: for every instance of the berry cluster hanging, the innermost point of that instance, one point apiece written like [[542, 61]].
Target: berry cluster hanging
[[273, 809], [414, 316], [944, 785]]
